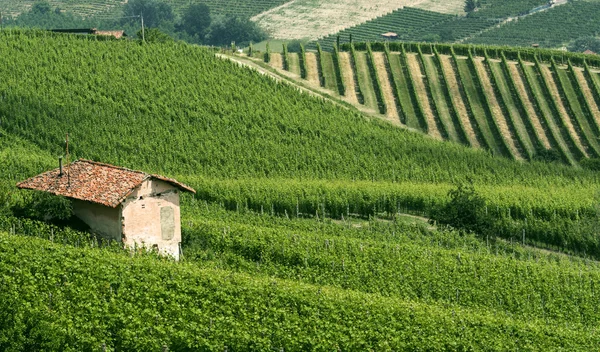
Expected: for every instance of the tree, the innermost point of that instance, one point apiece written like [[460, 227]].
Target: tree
[[585, 43], [154, 35], [196, 20], [471, 5], [41, 8], [155, 13], [242, 31], [465, 210]]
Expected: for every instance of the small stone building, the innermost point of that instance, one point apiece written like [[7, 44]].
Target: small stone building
[[129, 206]]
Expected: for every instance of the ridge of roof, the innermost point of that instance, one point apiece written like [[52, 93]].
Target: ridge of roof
[[95, 182]]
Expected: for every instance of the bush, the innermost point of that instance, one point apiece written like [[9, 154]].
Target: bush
[[465, 210]]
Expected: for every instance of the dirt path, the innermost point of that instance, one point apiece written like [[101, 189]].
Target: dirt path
[[562, 111], [386, 87], [587, 93], [535, 119], [461, 109], [497, 113], [276, 61], [312, 70], [348, 76], [415, 69]]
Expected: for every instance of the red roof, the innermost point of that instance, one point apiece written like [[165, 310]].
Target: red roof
[[589, 52], [94, 182]]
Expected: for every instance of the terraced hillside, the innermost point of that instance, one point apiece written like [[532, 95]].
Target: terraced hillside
[[89, 8], [313, 19], [298, 237], [512, 108], [553, 28], [81, 7]]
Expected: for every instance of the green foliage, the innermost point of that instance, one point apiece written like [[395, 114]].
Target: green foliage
[[591, 164], [586, 43], [577, 19], [41, 8], [154, 35], [229, 29], [155, 12], [196, 20], [268, 53], [110, 299], [376, 81], [466, 209], [472, 5]]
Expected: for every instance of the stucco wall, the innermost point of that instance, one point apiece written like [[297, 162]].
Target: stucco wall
[[103, 220], [141, 217]]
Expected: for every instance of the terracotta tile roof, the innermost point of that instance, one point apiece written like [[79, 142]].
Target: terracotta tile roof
[[589, 52], [94, 182]]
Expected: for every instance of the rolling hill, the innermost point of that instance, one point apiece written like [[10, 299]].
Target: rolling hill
[[298, 237], [515, 108]]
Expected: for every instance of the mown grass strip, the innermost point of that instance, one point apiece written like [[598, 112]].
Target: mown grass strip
[[418, 105], [353, 62], [475, 106], [329, 72], [451, 101], [320, 65], [534, 137], [375, 81], [406, 105], [394, 79], [365, 80], [338, 71], [574, 109], [437, 102], [496, 131], [554, 135], [576, 149], [509, 108], [585, 103], [302, 62]]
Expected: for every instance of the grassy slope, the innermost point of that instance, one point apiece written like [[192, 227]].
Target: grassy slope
[[227, 129]]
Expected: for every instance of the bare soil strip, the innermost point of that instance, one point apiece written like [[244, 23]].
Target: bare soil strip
[[348, 75], [388, 92], [587, 93], [562, 111], [535, 119], [312, 70], [276, 61], [461, 109], [497, 113], [415, 68]]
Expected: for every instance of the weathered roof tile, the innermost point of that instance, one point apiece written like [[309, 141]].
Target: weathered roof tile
[[94, 182]]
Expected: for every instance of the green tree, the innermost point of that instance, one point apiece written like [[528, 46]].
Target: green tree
[[472, 5], [242, 31], [41, 7], [196, 20], [465, 210], [154, 35], [155, 13], [585, 43]]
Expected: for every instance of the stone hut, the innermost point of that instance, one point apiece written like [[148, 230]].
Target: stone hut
[[128, 206]]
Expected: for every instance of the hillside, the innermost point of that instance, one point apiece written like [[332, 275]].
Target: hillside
[[296, 238], [309, 19], [90, 8], [518, 109]]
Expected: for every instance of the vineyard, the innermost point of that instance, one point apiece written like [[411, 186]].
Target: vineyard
[[90, 8], [299, 236], [576, 19], [515, 108]]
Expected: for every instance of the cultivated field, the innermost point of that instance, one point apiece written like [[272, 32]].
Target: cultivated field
[[312, 19], [515, 110]]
